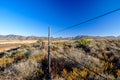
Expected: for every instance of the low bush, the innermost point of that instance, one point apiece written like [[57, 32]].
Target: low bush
[[40, 41], [83, 42]]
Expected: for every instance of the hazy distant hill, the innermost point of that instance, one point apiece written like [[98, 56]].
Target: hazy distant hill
[[118, 36], [95, 37], [19, 37]]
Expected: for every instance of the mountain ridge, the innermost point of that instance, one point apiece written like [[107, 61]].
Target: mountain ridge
[[20, 37]]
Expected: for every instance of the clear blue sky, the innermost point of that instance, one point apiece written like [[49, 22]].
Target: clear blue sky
[[32, 17]]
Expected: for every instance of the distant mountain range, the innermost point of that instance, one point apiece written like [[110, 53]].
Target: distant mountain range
[[96, 37], [19, 37]]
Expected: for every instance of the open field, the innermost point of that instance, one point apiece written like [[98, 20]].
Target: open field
[[17, 41], [9, 44]]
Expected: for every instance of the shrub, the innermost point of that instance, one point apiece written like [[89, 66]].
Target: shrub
[[40, 41], [75, 74], [83, 42], [28, 70], [5, 61], [118, 72]]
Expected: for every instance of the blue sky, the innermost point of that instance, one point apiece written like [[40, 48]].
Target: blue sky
[[32, 17]]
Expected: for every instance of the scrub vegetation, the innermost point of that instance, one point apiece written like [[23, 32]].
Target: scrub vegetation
[[70, 60]]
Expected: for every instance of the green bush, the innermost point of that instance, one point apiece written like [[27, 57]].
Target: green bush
[[83, 42], [40, 41]]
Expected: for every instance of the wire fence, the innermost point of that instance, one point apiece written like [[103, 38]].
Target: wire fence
[[75, 27]]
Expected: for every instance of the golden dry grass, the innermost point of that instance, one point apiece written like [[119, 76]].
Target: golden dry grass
[[5, 61], [10, 44], [7, 48], [17, 41]]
